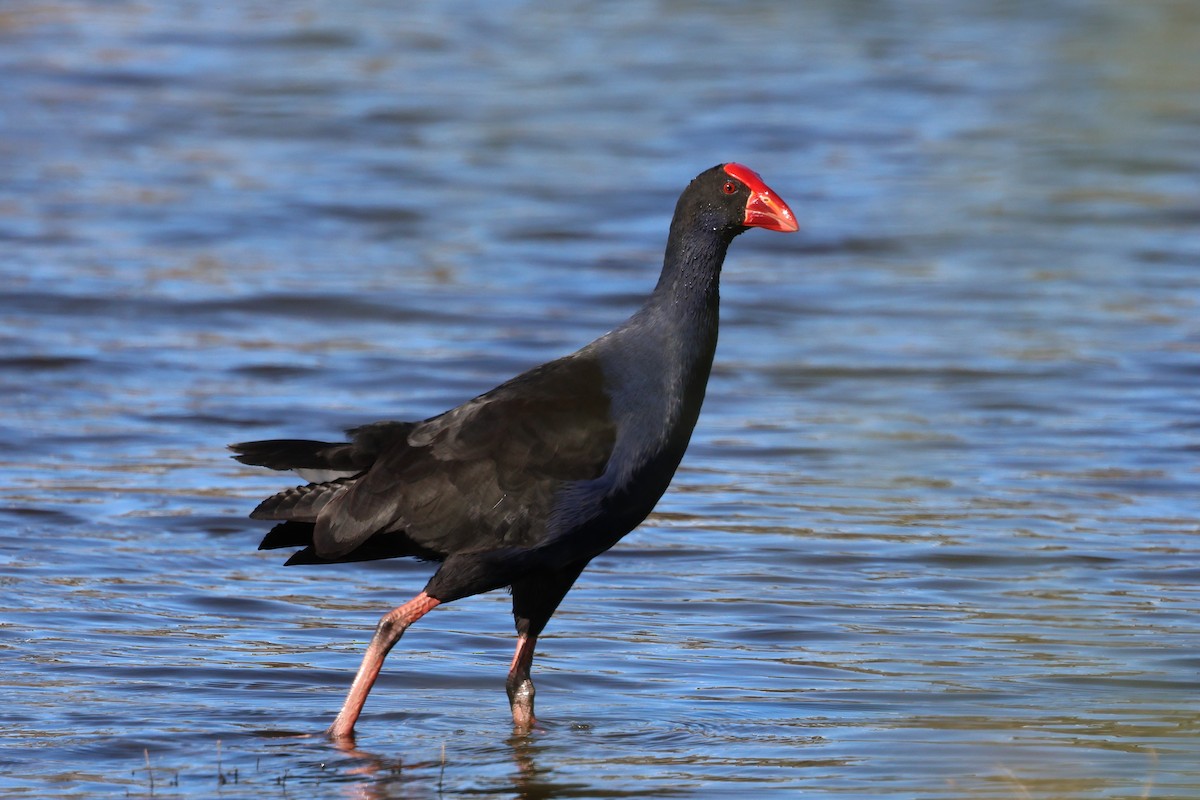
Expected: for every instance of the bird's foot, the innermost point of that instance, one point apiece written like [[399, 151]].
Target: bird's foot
[[341, 731], [520, 697]]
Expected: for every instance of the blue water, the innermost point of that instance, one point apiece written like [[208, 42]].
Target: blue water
[[937, 533]]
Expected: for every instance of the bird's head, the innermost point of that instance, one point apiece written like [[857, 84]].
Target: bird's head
[[764, 208], [733, 197]]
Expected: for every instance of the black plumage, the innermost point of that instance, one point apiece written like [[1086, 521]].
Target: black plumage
[[524, 485]]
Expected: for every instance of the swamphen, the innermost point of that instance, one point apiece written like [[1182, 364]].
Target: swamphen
[[524, 485]]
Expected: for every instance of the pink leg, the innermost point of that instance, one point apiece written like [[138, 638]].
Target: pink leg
[[519, 685], [391, 627]]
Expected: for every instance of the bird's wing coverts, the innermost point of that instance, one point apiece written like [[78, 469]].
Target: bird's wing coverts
[[482, 475]]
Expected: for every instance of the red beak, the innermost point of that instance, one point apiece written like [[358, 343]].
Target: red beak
[[764, 209]]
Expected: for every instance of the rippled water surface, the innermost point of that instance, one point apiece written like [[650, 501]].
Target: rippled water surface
[[936, 535]]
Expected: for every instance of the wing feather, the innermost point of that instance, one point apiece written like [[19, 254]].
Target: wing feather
[[482, 475]]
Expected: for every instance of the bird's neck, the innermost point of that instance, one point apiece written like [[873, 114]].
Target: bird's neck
[[680, 319], [688, 289]]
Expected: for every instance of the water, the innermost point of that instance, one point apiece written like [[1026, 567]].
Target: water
[[936, 536]]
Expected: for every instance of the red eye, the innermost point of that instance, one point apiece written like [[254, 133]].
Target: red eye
[[729, 188]]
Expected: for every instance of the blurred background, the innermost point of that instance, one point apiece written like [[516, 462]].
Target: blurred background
[[936, 535]]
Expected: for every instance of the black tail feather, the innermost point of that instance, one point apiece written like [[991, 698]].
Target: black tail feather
[[379, 546], [357, 455], [302, 454], [301, 503], [288, 534], [300, 506]]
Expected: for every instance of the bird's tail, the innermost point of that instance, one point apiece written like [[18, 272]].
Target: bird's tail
[[301, 454]]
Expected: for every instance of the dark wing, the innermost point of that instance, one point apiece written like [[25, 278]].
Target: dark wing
[[481, 476]]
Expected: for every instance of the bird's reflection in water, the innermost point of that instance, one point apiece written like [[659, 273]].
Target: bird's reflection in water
[[369, 776]]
